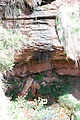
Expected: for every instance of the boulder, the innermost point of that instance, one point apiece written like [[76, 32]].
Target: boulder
[[35, 87], [26, 87]]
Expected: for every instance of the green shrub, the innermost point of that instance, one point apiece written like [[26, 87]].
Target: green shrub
[[36, 111], [9, 42], [38, 77]]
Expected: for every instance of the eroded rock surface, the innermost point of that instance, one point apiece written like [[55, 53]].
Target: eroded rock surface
[[42, 40], [27, 86], [43, 49]]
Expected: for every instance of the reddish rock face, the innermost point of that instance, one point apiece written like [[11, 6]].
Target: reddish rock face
[[34, 62], [23, 55], [31, 67], [29, 61], [64, 67]]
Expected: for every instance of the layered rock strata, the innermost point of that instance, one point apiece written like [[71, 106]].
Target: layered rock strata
[[43, 50]]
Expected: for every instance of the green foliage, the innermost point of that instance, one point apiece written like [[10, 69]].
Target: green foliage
[[58, 28], [40, 112], [72, 16], [63, 38], [67, 100], [38, 77], [55, 89], [40, 103], [16, 85], [76, 117], [57, 22], [76, 29], [30, 95], [9, 42], [77, 107], [14, 109], [75, 22]]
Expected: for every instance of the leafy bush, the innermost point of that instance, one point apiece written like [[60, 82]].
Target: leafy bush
[[15, 112], [38, 77], [36, 111], [41, 111], [9, 42]]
